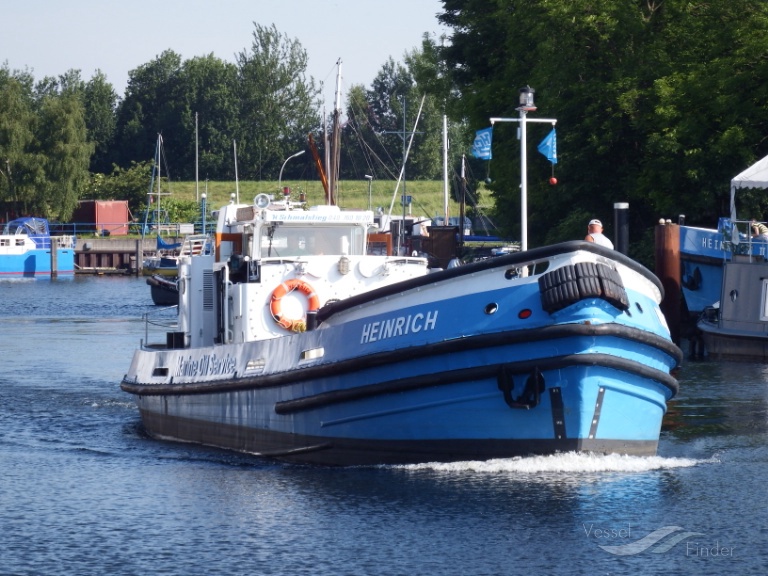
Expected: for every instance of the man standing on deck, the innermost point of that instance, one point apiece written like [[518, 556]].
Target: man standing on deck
[[595, 234]]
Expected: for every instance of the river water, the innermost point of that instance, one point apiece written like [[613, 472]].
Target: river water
[[83, 491]]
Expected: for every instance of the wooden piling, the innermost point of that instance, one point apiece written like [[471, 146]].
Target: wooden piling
[[54, 259], [667, 256]]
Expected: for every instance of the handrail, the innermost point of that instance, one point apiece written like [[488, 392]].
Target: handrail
[[152, 318]]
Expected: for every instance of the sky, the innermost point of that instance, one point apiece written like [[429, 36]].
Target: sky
[[48, 38]]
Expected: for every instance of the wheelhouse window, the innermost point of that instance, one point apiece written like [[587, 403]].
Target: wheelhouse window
[[279, 241]]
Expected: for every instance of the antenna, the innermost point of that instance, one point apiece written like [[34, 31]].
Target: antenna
[[197, 178], [237, 183]]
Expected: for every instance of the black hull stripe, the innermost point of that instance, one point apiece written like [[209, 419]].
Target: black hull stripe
[[402, 355], [481, 372], [331, 451]]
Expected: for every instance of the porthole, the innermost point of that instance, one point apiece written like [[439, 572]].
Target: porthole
[[491, 308]]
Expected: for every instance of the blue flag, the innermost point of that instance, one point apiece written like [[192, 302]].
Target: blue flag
[[548, 146], [481, 147]]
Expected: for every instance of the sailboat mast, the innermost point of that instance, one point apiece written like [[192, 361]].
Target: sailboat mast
[[197, 175], [335, 144], [157, 204], [237, 182], [327, 159], [144, 229], [445, 168], [463, 202]]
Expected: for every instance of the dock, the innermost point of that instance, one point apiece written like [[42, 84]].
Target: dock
[[104, 256]]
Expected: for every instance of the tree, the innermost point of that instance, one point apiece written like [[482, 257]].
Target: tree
[[44, 143], [279, 103], [658, 104], [18, 171], [151, 106], [100, 101], [64, 152], [210, 91]]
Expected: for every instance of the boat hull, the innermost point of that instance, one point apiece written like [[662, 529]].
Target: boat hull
[[582, 408], [163, 290], [363, 452], [737, 327], [724, 345], [36, 262]]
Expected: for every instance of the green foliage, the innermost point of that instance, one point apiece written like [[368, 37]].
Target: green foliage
[[279, 103], [100, 101], [64, 154], [150, 107], [131, 184], [19, 168], [658, 103], [43, 142], [181, 210], [211, 108]]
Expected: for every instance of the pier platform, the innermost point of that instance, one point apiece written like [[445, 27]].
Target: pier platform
[[112, 255]]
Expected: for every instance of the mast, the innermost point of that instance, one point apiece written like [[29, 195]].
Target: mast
[[155, 165], [237, 183], [159, 168], [335, 143], [445, 168], [197, 176], [463, 204], [326, 159]]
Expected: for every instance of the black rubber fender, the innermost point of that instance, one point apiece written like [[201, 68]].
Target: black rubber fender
[[567, 285], [613, 287], [588, 280], [559, 289]]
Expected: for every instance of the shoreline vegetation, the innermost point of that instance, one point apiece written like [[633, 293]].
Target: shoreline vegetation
[[427, 196]]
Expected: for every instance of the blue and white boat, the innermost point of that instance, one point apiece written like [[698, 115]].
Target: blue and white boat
[[27, 249], [704, 251], [291, 341]]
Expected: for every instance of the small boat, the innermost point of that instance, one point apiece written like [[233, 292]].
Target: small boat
[[292, 341], [27, 249], [736, 327], [166, 263], [164, 290]]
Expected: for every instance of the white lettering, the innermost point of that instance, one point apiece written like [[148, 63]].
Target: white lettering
[[389, 327], [398, 326], [431, 320], [375, 331], [399, 323], [694, 549], [208, 365], [608, 532]]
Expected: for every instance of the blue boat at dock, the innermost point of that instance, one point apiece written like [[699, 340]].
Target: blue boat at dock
[[704, 251], [27, 249]]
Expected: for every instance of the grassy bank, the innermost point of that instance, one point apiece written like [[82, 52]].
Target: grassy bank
[[427, 196]]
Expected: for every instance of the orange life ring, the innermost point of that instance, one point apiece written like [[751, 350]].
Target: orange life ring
[[275, 306]]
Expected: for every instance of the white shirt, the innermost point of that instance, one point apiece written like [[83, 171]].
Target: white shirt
[[601, 239]]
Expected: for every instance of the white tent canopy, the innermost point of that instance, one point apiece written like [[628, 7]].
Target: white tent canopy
[[756, 176]]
